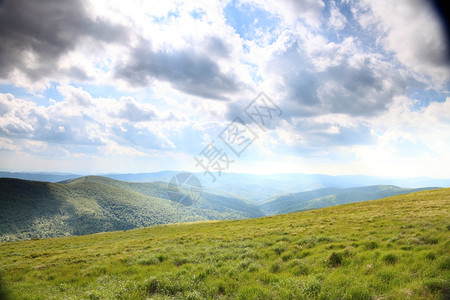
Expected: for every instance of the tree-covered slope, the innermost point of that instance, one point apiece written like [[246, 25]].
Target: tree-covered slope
[[40, 209], [31, 209], [152, 189], [208, 200]]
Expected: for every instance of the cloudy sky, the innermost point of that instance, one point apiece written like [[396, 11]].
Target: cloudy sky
[[354, 87]]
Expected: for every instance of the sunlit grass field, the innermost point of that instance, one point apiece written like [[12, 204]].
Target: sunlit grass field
[[393, 248]]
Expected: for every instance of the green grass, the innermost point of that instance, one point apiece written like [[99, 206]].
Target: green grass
[[393, 248]]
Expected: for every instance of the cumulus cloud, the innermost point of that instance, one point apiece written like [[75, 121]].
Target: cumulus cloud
[[355, 83], [314, 134], [412, 32], [80, 119], [135, 112], [78, 42], [36, 35], [135, 78], [337, 20], [310, 11], [186, 70]]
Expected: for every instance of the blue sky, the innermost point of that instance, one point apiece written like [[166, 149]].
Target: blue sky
[[355, 87]]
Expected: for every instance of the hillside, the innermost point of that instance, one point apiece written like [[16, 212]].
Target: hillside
[[31, 209], [393, 248], [208, 200], [257, 188], [329, 197], [91, 204], [152, 189]]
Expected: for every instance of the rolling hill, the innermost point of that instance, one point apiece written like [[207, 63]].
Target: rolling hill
[[392, 248], [330, 197], [32, 209], [209, 201], [257, 188]]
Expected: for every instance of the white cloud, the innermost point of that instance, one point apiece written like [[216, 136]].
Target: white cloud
[[344, 90], [310, 11], [82, 120], [412, 32], [405, 141], [337, 20]]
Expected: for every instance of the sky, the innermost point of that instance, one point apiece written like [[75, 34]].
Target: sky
[[348, 87]]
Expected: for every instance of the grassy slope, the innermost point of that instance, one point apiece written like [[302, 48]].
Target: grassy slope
[[30, 209], [329, 197], [393, 248]]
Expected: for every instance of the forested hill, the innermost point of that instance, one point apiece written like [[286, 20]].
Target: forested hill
[[33, 209]]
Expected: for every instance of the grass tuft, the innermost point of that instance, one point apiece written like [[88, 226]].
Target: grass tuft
[[390, 258], [335, 259]]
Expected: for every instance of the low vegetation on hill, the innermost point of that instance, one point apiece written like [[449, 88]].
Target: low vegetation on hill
[[393, 248]]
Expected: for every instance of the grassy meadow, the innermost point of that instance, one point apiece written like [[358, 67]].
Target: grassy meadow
[[393, 248]]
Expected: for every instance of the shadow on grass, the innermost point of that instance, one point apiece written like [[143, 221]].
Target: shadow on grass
[[4, 293]]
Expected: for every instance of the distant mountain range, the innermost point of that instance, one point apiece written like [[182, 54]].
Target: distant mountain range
[[258, 188], [90, 204]]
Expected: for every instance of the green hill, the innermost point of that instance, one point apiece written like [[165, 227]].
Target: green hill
[[152, 189], [32, 209], [209, 201], [393, 248], [329, 197]]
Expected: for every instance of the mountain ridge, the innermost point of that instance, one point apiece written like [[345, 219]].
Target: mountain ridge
[[253, 187]]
